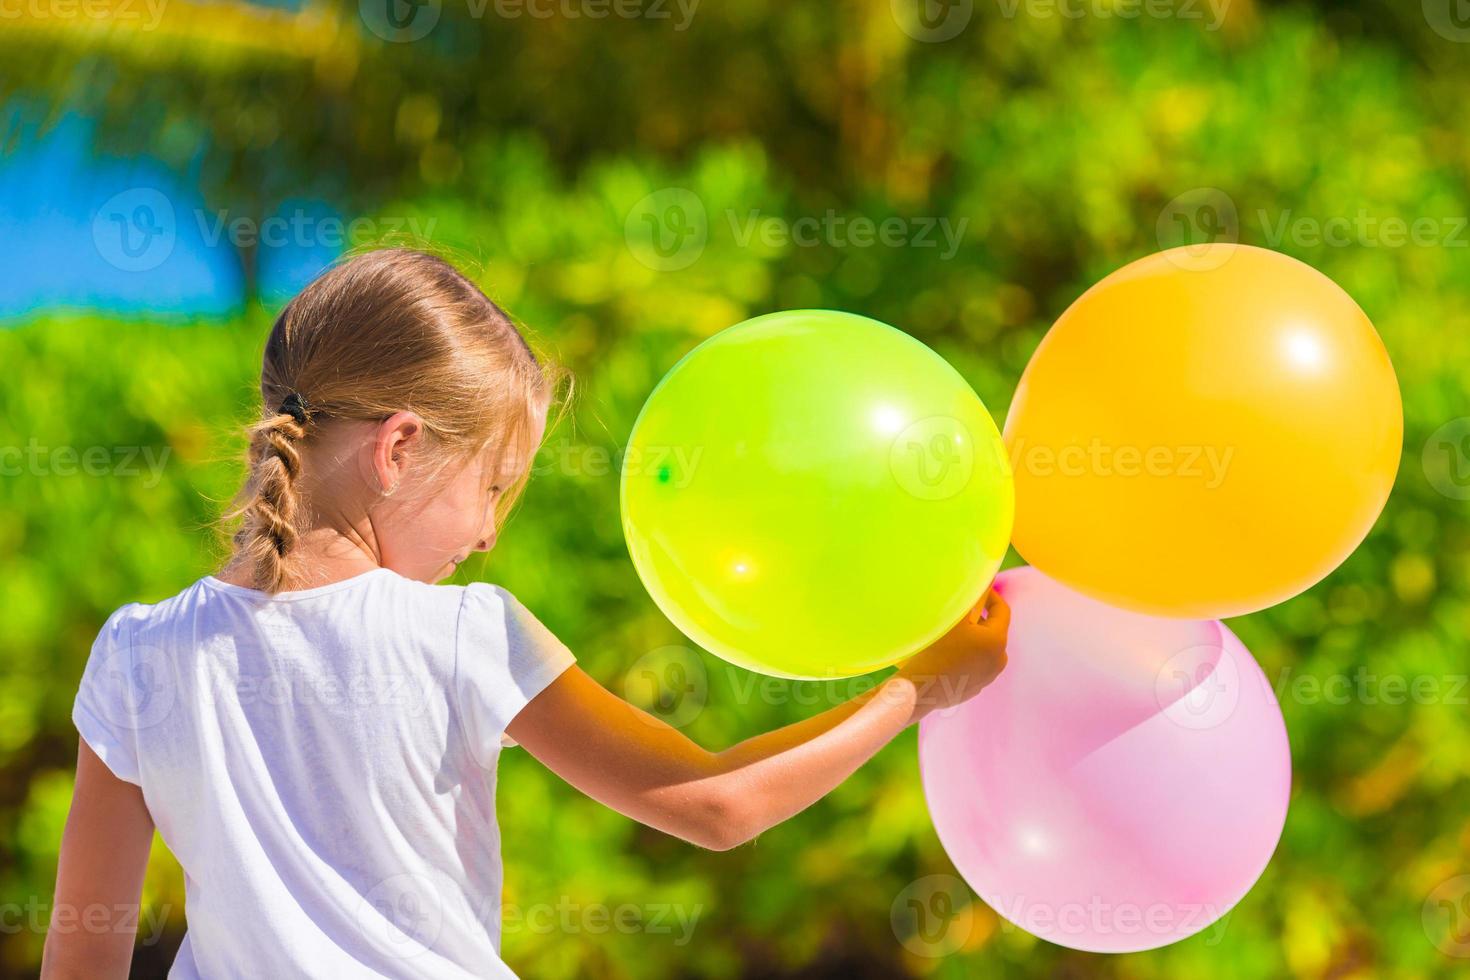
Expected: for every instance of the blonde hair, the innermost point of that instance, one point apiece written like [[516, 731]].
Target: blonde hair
[[386, 331]]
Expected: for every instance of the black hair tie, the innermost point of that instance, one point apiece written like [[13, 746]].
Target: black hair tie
[[295, 406]]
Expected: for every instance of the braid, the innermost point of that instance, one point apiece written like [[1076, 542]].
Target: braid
[[269, 501]]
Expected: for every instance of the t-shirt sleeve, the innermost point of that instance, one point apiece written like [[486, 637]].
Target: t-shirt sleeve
[[106, 710], [504, 657]]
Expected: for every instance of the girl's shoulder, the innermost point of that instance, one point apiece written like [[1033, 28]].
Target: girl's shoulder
[[380, 597]]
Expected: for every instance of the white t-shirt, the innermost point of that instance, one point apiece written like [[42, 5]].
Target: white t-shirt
[[322, 764]]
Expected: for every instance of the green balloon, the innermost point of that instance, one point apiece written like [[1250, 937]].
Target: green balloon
[[815, 494]]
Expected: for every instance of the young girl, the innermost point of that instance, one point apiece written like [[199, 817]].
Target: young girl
[[315, 731]]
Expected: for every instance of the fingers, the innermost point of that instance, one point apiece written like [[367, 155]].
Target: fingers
[[973, 617], [997, 613], [981, 608]]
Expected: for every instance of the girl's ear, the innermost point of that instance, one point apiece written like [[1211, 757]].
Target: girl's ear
[[396, 439]]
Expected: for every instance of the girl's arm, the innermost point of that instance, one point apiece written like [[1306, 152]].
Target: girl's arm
[[645, 769], [99, 882]]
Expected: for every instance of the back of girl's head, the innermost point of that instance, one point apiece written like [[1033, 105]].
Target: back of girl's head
[[387, 331]]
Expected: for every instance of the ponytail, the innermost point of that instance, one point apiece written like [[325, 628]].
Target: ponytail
[[268, 503]]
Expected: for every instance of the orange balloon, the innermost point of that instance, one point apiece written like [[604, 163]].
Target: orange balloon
[[1206, 432]]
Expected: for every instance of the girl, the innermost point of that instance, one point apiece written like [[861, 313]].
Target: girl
[[315, 731]]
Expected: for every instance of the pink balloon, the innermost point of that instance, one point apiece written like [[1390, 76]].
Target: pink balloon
[[1124, 781]]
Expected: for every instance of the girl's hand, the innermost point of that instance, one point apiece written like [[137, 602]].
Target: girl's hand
[[958, 665], [636, 764]]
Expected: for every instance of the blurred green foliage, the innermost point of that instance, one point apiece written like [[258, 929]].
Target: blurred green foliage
[[527, 143]]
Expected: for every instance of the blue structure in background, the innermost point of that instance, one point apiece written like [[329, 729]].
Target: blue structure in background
[[301, 239], [82, 231]]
